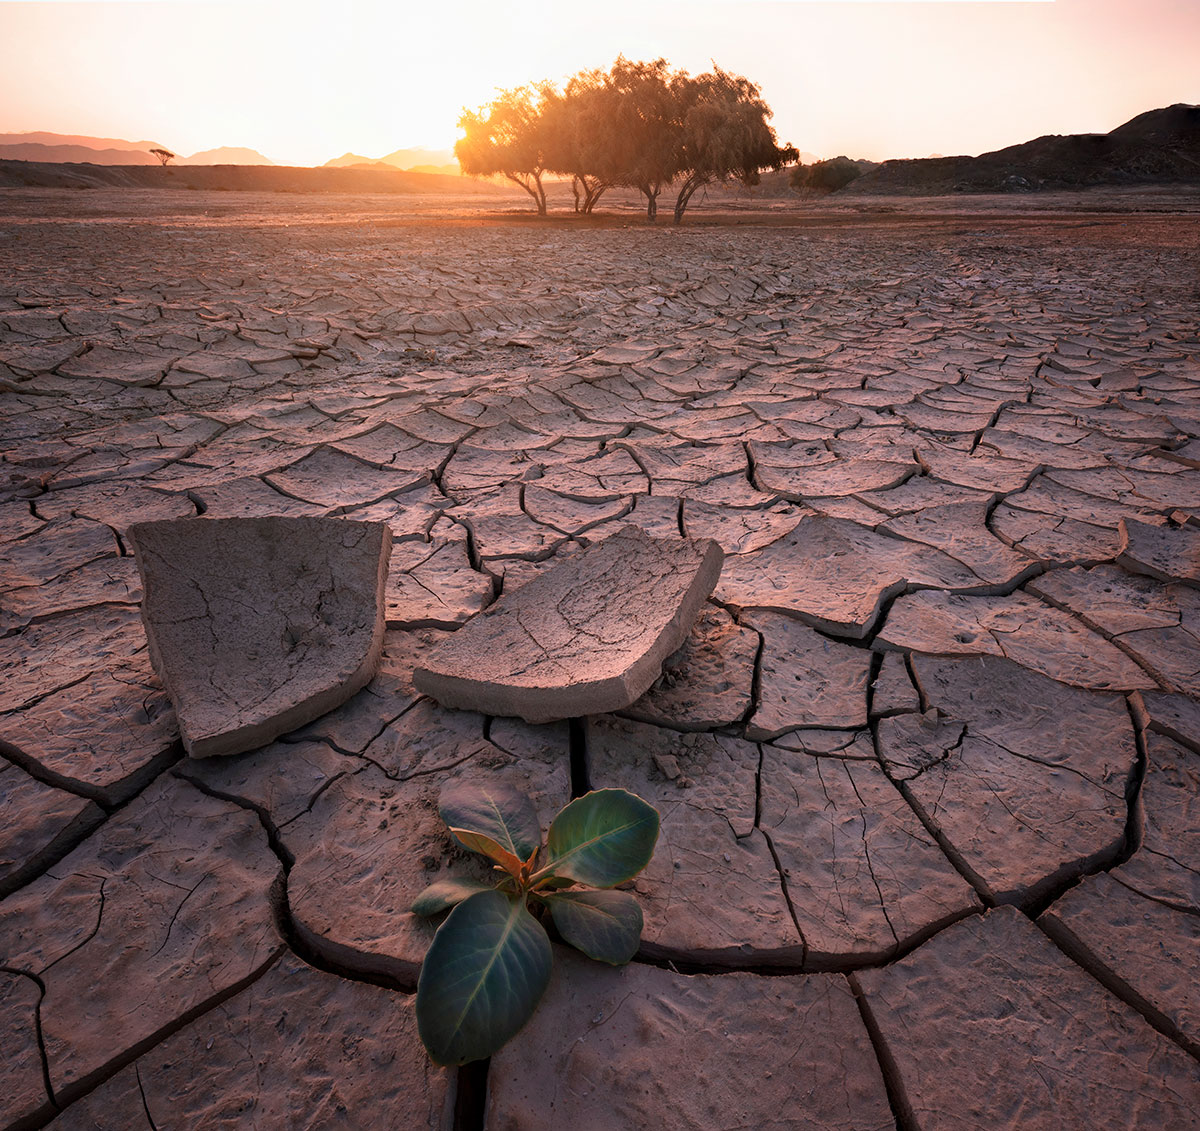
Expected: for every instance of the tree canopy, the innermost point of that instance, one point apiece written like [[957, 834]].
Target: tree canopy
[[510, 137], [639, 125]]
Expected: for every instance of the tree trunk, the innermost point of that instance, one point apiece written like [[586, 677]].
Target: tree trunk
[[532, 184], [580, 197], [694, 181], [594, 192], [651, 195]]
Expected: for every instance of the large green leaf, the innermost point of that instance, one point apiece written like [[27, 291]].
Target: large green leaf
[[495, 810], [602, 838], [444, 894], [605, 925], [482, 977]]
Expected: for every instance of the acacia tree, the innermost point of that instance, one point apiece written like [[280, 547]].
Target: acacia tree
[[511, 137], [724, 133], [640, 125], [644, 137], [578, 129], [163, 155]]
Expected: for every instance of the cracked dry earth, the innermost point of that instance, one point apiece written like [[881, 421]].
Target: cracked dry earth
[[927, 766]]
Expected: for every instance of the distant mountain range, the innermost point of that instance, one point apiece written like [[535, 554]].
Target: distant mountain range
[[413, 160], [48, 147], [79, 148], [37, 137], [1160, 146], [226, 155]]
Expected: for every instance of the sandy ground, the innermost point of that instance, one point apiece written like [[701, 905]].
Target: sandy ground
[[927, 766]]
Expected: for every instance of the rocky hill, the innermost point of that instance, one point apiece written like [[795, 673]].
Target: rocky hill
[[38, 145], [1160, 146], [40, 151]]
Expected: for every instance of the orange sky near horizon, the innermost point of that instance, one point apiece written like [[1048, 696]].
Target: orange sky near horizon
[[308, 80]]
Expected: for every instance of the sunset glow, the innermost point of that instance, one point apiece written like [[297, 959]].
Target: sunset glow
[[307, 81]]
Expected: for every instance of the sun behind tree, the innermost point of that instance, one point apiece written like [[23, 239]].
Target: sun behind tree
[[639, 125]]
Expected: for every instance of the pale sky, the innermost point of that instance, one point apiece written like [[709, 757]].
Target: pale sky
[[306, 80]]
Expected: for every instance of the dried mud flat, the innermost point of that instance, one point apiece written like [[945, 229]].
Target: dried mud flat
[[928, 765]]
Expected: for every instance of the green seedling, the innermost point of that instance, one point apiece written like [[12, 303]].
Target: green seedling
[[489, 962]]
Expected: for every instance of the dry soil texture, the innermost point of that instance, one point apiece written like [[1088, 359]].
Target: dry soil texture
[[930, 757]]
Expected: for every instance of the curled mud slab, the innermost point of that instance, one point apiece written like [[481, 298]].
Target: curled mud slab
[[927, 761], [587, 637], [257, 626]]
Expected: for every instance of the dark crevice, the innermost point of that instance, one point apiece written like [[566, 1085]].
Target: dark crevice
[[1182, 906], [384, 973], [413, 775], [299, 941], [581, 781], [41, 1041], [111, 798], [755, 676], [1077, 951], [44, 695], [44, 1114], [87, 938], [1037, 897], [957, 862], [470, 1100], [922, 696], [145, 1102], [82, 1087], [787, 897], [751, 468], [92, 818], [1131, 836], [763, 967], [325, 785], [471, 545], [272, 833], [68, 839], [893, 1082], [758, 789], [1163, 682]]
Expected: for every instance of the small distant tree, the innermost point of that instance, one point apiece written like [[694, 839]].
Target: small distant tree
[[511, 137], [725, 133], [163, 155]]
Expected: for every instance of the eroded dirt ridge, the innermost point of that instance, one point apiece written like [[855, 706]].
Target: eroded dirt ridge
[[930, 758]]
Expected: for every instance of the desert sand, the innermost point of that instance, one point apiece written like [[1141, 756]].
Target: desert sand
[[927, 765]]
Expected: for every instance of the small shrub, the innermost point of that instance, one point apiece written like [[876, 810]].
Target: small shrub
[[490, 961], [828, 176]]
